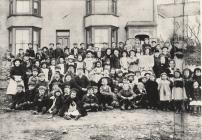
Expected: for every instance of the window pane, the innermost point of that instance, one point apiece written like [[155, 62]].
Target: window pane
[[22, 6], [36, 7], [101, 36], [22, 39], [101, 6]]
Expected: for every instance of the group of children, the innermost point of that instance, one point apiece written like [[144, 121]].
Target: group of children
[[70, 82]]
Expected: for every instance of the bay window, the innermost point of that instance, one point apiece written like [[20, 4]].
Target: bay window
[[20, 37], [101, 35], [25, 7], [101, 7]]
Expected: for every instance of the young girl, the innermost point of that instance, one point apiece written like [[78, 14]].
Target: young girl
[[196, 103], [79, 62], [75, 107], [52, 67], [89, 62], [62, 65], [46, 71], [178, 91], [124, 61], [17, 75], [164, 88], [147, 60], [133, 61], [197, 75], [97, 73]]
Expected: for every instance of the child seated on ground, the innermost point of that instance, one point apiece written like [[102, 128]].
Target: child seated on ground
[[17, 99], [57, 102], [28, 103], [106, 95], [90, 101], [41, 101], [126, 97], [196, 101], [75, 108]]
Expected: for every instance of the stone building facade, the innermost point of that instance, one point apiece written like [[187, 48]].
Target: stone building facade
[[67, 21]]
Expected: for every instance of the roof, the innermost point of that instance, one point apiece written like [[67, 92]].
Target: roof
[[140, 23]]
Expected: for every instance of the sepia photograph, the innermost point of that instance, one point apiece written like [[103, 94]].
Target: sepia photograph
[[100, 70]]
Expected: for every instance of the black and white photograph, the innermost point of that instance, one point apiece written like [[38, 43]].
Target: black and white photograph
[[100, 70]]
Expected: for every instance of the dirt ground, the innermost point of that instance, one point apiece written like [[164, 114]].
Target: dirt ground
[[140, 124]]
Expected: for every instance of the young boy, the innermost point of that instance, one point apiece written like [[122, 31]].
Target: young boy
[[126, 98], [106, 95], [90, 101], [28, 103], [41, 100], [34, 78], [18, 98]]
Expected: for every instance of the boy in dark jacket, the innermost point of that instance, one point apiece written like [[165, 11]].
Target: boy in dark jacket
[[41, 100], [18, 99], [90, 100]]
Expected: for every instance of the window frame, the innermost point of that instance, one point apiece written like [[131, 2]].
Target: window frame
[[13, 8], [112, 8], [12, 36]]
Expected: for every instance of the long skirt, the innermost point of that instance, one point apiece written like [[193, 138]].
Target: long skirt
[[179, 93], [12, 87]]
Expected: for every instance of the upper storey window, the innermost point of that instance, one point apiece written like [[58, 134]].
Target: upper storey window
[[101, 7], [25, 7]]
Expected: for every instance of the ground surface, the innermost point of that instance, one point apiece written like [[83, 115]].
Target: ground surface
[[139, 124]]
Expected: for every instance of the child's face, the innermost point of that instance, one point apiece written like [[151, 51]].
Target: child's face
[[29, 72], [108, 52], [196, 85], [164, 77], [147, 51], [198, 73], [37, 63], [42, 78], [163, 60], [120, 74], [31, 87], [44, 66], [177, 75], [53, 62], [55, 87], [112, 71], [73, 94], [104, 81], [116, 90], [71, 69], [17, 63], [67, 91], [95, 90], [165, 51], [156, 54], [172, 64], [61, 60], [130, 78], [116, 52], [70, 60], [57, 94], [124, 54], [132, 53], [68, 78], [144, 80], [186, 73], [146, 40], [57, 75], [19, 89], [147, 76], [41, 92], [90, 91], [35, 73], [125, 86], [80, 58], [98, 65], [152, 78]]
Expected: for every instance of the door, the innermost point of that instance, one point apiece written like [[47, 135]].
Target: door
[[63, 37]]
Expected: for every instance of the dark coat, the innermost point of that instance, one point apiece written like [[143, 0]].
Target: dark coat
[[115, 62], [17, 71]]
